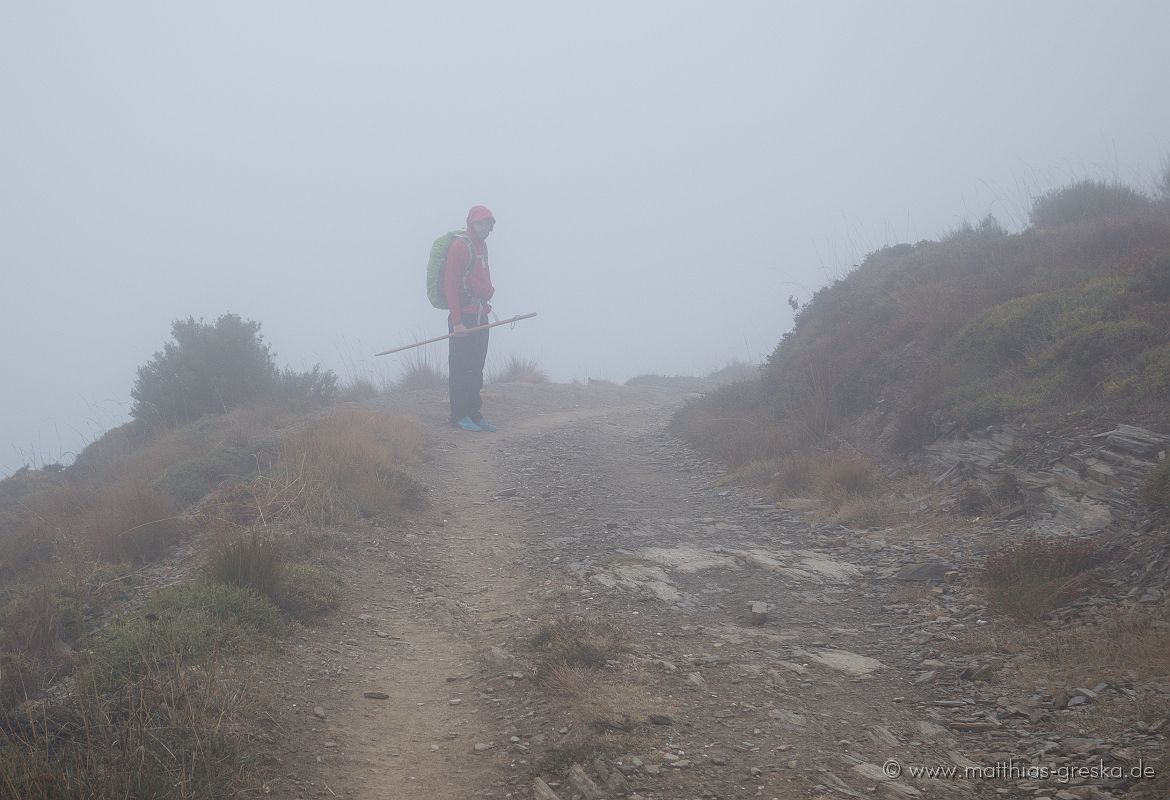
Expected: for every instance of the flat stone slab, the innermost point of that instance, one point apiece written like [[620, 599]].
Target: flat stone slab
[[843, 661]]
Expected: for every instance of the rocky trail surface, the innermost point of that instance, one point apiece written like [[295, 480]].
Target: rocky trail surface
[[766, 653]]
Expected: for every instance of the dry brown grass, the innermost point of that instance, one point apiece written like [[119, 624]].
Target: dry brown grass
[[519, 370], [423, 370], [126, 521], [580, 642], [173, 728], [351, 465], [1133, 644], [592, 696], [1030, 579]]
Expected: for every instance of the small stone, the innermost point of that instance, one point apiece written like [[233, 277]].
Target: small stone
[[696, 679], [758, 612], [455, 701], [482, 746], [655, 719], [318, 712], [375, 695]]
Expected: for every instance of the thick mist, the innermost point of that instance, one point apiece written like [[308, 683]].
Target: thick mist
[[664, 175]]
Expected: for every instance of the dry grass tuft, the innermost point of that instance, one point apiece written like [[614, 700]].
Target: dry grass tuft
[[254, 560], [422, 371], [350, 465], [519, 370], [1030, 579], [580, 642], [591, 698], [848, 475]]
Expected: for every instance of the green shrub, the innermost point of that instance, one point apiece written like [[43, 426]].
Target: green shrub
[[1084, 201], [191, 480], [306, 591], [182, 625], [209, 369], [1105, 340]]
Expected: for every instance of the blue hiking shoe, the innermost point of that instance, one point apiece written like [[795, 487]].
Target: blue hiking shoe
[[484, 425], [467, 425]]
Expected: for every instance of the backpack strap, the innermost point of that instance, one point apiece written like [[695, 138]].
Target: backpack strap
[[465, 291]]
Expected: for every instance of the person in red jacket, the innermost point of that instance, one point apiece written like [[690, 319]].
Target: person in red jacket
[[467, 284]]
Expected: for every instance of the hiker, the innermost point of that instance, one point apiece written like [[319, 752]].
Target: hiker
[[467, 286]]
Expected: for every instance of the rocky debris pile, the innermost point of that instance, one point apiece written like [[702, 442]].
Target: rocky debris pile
[[1077, 482]]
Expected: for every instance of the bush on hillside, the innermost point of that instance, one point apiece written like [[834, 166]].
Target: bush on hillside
[[209, 369], [1084, 201]]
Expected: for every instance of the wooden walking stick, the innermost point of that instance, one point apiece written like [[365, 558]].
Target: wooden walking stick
[[449, 335]]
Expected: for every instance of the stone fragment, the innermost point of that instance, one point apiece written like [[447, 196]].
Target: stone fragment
[[758, 612], [541, 791], [375, 695], [584, 784]]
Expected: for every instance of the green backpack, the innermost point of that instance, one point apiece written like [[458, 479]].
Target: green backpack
[[437, 263]]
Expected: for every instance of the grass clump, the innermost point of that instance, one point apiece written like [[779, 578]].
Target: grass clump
[[167, 735], [519, 370], [421, 371], [1030, 579], [186, 625], [307, 591], [580, 642], [257, 560]]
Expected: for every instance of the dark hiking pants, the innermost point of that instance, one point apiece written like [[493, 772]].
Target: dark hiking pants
[[467, 356]]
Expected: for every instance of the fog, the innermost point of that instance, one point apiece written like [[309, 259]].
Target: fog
[[663, 174]]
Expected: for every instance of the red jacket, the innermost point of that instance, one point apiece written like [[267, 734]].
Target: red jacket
[[467, 279]]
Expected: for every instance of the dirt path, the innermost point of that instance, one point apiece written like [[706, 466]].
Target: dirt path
[[582, 506]]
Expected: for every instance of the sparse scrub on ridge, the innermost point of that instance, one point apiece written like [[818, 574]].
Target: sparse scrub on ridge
[[519, 370], [734, 371], [1086, 201], [983, 326], [1030, 579]]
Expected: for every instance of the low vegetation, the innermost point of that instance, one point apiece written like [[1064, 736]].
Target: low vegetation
[[212, 368], [1029, 579], [222, 456], [923, 340], [519, 370]]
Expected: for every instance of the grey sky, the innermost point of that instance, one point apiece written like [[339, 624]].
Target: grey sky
[[664, 174]]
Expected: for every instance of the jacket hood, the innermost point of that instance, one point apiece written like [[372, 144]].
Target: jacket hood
[[476, 214]]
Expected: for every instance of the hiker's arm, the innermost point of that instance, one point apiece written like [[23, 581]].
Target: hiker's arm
[[457, 256]]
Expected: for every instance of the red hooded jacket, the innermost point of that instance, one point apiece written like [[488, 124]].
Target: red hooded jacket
[[467, 279]]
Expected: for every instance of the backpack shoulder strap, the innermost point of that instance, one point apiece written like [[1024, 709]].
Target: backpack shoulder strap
[[470, 253]]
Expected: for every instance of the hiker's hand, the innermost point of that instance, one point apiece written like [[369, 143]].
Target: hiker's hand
[[458, 330]]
